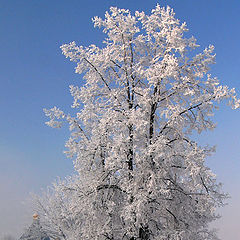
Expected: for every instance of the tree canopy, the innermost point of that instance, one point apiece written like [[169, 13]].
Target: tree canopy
[[139, 174]]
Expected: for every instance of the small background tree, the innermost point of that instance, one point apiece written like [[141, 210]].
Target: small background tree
[[8, 237]]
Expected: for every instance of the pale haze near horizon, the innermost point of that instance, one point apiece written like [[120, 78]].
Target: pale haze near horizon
[[35, 75]]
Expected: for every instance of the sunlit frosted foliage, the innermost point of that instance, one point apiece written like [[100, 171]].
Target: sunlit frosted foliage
[[139, 174]]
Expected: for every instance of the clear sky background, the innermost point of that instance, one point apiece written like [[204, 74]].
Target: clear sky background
[[35, 75]]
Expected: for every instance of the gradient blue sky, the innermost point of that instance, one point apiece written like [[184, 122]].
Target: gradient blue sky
[[35, 75]]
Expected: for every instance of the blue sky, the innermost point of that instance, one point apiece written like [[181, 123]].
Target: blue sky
[[35, 75]]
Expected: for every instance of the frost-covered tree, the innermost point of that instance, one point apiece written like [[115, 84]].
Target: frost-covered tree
[[139, 173], [56, 206], [35, 231]]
